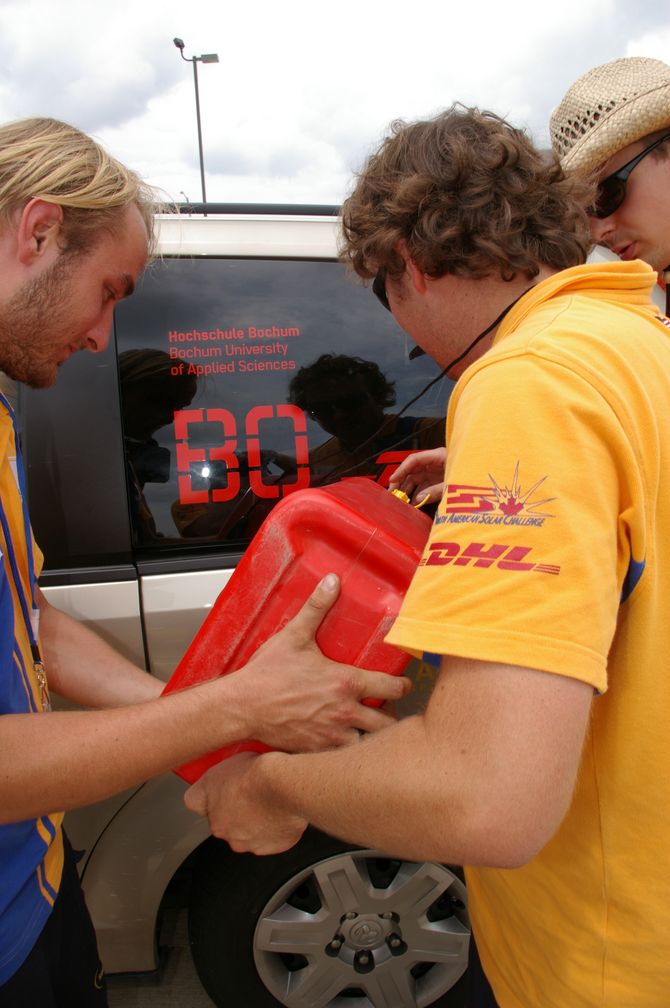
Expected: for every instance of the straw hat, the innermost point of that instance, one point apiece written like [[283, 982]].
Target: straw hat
[[609, 108]]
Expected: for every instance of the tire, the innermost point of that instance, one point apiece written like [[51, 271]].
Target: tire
[[327, 926]]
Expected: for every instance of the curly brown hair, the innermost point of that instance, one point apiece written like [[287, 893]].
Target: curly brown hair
[[470, 195], [309, 379]]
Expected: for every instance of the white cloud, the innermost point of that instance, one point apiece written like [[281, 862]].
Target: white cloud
[[303, 91], [655, 44]]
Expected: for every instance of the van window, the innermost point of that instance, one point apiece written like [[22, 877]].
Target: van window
[[243, 380]]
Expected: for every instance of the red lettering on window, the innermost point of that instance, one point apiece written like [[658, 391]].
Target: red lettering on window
[[186, 456], [300, 431], [225, 452], [391, 460], [288, 411], [182, 419]]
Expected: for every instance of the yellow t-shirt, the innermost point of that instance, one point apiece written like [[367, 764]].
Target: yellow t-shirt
[[550, 550]]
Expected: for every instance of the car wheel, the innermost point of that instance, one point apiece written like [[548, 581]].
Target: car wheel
[[327, 926]]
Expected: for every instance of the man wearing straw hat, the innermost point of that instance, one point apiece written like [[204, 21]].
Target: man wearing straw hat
[[614, 125]]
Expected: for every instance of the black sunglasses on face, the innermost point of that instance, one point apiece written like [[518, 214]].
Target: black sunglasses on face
[[379, 289], [612, 190]]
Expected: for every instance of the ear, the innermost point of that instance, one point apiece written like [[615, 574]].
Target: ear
[[416, 276], [39, 227]]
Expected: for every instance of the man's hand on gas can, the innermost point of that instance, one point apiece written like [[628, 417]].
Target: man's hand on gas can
[[421, 476], [303, 701], [241, 811]]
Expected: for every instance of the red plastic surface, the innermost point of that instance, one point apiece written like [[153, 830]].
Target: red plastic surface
[[354, 528]]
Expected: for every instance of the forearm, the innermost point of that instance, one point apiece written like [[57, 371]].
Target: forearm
[[63, 760], [385, 792], [485, 776], [83, 668]]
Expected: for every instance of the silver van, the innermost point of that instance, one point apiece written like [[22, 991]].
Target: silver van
[[246, 365]]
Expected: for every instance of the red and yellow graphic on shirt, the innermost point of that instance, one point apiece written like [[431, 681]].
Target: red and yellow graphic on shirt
[[494, 504], [476, 554]]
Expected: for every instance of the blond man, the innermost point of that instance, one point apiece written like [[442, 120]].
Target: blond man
[[75, 235]]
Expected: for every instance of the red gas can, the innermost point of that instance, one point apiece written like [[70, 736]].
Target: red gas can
[[354, 528]]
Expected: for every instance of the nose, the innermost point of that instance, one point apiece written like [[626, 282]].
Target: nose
[[97, 338], [601, 228]]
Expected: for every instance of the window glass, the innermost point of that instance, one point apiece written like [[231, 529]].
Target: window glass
[[71, 435], [244, 380]]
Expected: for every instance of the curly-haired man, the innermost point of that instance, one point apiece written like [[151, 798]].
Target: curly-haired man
[[542, 759]]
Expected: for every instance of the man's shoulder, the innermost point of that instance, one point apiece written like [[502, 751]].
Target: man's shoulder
[[571, 327], [604, 283], [598, 303]]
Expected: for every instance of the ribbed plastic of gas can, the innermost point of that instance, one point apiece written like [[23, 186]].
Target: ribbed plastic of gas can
[[367, 536]]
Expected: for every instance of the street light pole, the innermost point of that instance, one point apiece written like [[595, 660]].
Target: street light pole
[[205, 58]]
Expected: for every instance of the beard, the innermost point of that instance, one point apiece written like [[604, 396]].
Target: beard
[[34, 326]]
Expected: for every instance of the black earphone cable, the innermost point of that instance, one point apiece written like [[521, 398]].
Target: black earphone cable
[[338, 471]]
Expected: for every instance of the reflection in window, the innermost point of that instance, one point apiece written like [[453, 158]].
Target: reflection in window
[[150, 397], [349, 398], [244, 380]]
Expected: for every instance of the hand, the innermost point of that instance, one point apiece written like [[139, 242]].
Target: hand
[[421, 475], [301, 701], [228, 795]]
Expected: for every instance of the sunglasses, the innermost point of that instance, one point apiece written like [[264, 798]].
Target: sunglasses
[[612, 190], [379, 289]]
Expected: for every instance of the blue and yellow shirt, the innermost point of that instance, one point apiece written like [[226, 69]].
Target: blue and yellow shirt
[[31, 852]]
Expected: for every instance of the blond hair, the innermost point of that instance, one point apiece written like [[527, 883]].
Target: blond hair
[[53, 161]]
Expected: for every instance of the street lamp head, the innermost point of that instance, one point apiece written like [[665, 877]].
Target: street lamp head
[[179, 43], [211, 57]]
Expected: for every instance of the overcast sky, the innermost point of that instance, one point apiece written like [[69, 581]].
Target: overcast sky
[[303, 90]]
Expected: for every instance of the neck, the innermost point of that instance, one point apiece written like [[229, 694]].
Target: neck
[[491, 300], [496, 295]]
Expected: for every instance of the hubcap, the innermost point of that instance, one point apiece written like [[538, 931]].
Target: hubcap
[[360, 930]]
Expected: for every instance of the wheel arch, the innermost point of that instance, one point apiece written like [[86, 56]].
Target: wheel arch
[[130, 867]]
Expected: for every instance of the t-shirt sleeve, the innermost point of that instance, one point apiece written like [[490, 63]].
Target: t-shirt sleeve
[[528, 552]]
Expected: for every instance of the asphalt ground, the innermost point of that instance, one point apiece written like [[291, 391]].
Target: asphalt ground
[[175, 985]]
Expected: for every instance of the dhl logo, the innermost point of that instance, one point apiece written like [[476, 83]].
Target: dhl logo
[[503, 556]]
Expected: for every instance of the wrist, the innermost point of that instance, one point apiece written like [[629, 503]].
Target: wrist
[[270, 772], [229, 709], [244, 703]]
